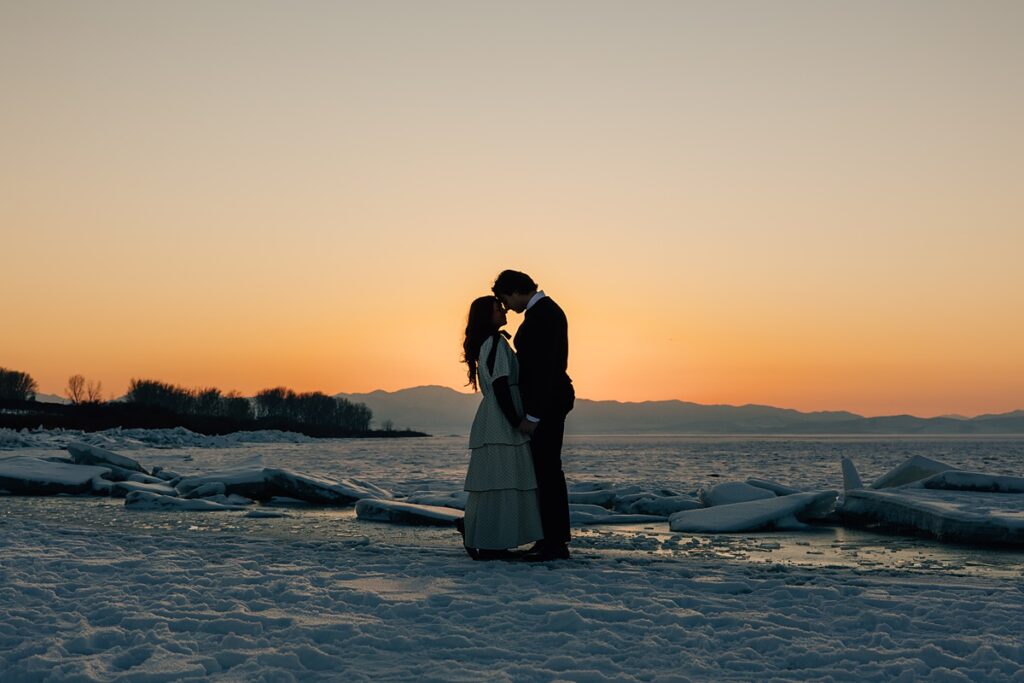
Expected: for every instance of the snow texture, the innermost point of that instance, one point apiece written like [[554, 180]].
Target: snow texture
[[180, 606]]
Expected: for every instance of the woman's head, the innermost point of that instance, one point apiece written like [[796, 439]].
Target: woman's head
[[486, 316]]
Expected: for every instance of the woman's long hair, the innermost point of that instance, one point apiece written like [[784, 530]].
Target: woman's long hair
[[479, 326]]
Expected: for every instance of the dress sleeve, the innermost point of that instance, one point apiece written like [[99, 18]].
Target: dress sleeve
[[502, 359], [503, 394]]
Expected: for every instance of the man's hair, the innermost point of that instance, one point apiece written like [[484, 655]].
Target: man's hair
[[513, 282]]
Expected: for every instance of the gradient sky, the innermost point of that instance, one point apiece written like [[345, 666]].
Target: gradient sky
[[815, 205]]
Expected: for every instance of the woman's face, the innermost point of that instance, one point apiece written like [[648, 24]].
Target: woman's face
[[499, 314]]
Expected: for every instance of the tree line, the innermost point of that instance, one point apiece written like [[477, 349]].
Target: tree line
[[17, 386], [278, 406]]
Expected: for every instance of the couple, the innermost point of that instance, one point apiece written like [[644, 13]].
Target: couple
[[517, 491]]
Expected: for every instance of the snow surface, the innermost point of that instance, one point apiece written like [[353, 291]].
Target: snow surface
[[92, 590], [76, 605]]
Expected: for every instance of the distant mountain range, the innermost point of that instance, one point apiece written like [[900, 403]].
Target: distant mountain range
[[440, 410]]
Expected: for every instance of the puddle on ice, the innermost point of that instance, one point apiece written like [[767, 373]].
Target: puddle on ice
[[817, 546], [814, 547]]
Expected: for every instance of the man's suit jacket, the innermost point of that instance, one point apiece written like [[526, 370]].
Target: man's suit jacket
[[542, 346]]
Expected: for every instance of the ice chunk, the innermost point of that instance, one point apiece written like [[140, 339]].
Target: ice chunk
[[319, 490], [120, 489], [731, 492], [604, 498], [958, 480], [84, 454], [580, 517], [29, 476], [395, 512], [773, 486], [207, 490], [914, 469], [851, 479], [266, 514], [663, 506], [452, 499], [957, 516], [264, 483], [165, 474], [145, 500], [250, 482], [144, 478], [775, 512]]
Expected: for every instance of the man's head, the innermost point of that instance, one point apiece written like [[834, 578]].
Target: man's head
[[514, 289]]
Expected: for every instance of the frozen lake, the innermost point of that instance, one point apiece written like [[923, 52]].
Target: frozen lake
[[90, 591]]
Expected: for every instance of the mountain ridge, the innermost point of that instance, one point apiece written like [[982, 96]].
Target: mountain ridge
[[442, 410]]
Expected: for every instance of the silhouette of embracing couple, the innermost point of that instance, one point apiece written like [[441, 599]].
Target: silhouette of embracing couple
[[517, 492]]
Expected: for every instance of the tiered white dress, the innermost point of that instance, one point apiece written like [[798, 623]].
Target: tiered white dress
[[502, 509]]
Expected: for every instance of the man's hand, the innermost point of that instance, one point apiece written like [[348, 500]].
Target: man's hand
[[527, 427]]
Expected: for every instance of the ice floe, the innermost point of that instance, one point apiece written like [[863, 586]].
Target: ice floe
[[25, 475], [773, 486], [909, 471], [145, 500], [730, 492], [85, 454], [777, 512], [264, 483], [953, 516], [957, 480], [397, 512]]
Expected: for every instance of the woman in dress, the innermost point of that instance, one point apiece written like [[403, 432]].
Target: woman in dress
[[502, 511]]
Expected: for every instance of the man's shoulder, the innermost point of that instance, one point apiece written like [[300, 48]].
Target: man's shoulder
[[547, 309]]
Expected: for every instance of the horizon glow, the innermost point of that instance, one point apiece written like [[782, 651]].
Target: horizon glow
[[810, 206]]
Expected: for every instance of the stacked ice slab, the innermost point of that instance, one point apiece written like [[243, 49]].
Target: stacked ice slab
[[928, 497], [920, 495]]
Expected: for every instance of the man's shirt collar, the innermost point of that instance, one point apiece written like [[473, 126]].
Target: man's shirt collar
[[536, 297]]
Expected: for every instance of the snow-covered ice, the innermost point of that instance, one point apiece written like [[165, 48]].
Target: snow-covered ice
[[374, 510], [76, 605], [957, 516], [27, 475], [146, 500], [913, 469], [730, 492], [777, 512], [86, 454], [93, 590], [957, 480]]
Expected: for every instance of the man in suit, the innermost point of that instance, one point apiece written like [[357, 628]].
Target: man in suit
[[542, 346]]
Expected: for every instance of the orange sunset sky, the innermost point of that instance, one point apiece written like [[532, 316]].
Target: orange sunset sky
[[814, 205]]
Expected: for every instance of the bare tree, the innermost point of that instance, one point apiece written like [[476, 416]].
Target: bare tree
[[94, 392], [75, 390]]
